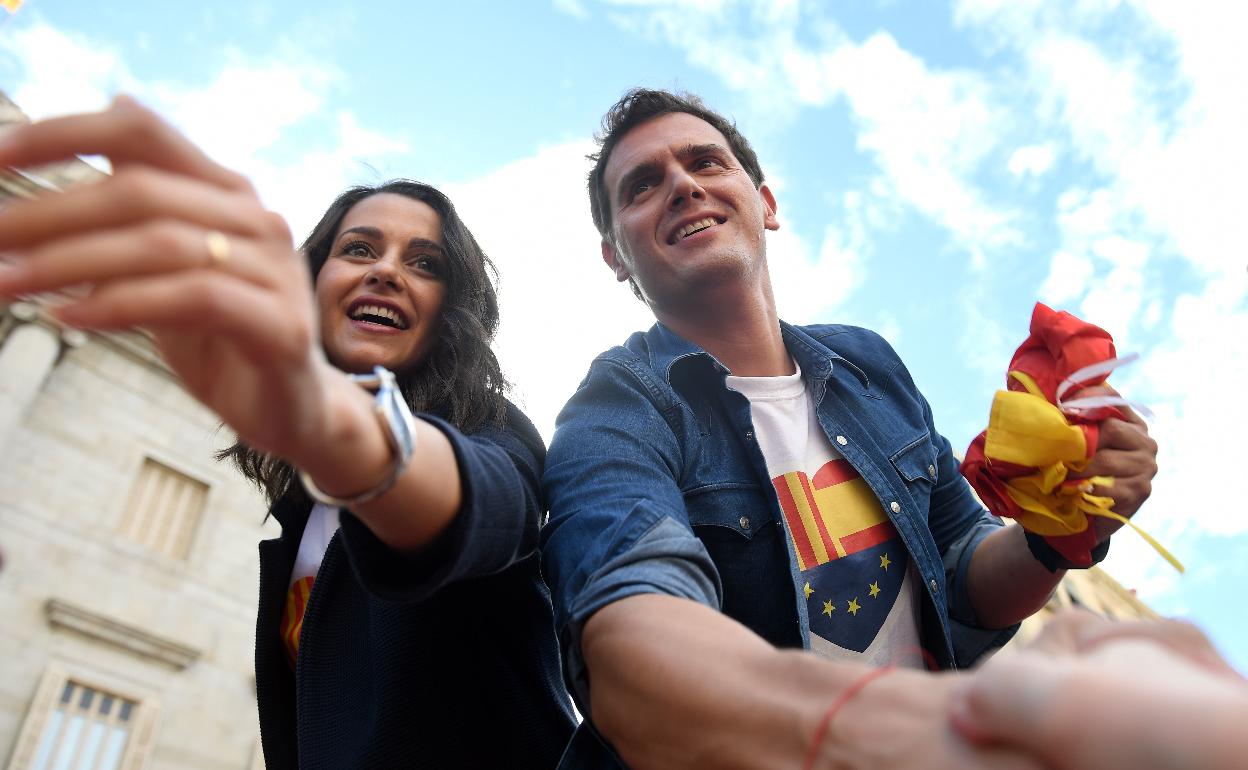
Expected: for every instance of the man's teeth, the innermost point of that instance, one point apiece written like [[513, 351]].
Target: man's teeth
[[694, 227], [380, 312]]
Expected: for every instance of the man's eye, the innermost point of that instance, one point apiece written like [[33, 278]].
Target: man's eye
[[705, 163], [640, 188]]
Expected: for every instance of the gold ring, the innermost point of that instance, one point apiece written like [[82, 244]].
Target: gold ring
[[218, 248]]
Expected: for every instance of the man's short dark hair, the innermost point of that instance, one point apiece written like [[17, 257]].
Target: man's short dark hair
[[638, 106]]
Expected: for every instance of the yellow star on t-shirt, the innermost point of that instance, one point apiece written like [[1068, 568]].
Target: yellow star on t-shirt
[[854, 606], [884, 562], [827, 608], [875, 590], [808, 590]]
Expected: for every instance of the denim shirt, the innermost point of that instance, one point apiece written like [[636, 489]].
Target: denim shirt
[[656, 484]]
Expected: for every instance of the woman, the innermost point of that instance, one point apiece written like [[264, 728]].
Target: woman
[[403, 620]]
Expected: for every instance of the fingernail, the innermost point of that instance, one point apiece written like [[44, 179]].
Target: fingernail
[[961, 715]]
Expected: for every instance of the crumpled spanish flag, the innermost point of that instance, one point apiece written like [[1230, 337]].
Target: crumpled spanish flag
[[1038, 434]]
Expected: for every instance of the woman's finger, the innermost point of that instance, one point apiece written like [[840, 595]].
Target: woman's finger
[[150, 248], [270, 327], [126, 133], [135, 194]]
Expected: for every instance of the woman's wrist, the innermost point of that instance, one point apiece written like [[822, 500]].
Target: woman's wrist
[[348, 453]]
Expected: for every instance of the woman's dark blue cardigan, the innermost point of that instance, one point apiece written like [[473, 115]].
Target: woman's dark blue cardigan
[[443, 658]]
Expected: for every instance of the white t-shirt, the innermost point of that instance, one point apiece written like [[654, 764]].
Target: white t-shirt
[[322, 524], [856, 574]]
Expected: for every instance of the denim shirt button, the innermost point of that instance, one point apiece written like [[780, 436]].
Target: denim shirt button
[[895, 506], [841, 440], [749, 435], [931, 471], [745, 522], [933, 585]]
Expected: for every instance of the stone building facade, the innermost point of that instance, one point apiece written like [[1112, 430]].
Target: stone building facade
[[128, 592], [129, 586]]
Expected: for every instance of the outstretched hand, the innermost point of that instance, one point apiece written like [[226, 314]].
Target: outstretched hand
[[177, 245], [1089, 693]]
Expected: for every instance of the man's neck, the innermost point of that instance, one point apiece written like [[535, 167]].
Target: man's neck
[[742, 331]]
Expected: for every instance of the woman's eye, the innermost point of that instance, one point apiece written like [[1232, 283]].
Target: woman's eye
[[357, 249], [425, 264]]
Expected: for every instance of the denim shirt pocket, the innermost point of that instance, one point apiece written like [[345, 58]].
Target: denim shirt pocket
[[916, 464], [735, 522], [718, 509]]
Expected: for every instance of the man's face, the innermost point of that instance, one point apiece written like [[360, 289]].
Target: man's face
[[685, 215]]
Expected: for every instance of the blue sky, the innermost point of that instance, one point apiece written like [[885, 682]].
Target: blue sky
[[939, 167]]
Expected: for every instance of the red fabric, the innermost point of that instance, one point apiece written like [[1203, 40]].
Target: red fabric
[[1059, 345]]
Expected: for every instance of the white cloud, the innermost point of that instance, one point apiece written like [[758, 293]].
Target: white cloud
[[1069, 275], [812, 289], [928, 131], [1032, 160], [573, 8], [560, 304], [261, 117], [66, 73]]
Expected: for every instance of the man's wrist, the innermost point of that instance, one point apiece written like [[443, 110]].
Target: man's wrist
[[1053, 561]]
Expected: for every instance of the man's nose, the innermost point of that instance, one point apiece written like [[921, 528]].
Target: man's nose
[[685, 187]]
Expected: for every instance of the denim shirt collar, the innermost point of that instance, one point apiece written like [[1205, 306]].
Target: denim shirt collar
[[669, 352]]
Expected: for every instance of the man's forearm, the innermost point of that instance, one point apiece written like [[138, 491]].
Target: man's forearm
[[1005, 582], [677, 684]]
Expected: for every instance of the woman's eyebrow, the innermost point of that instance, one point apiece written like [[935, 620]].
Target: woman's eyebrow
[[425, 243], [371, 232]]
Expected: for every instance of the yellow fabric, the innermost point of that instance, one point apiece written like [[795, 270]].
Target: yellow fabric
[[11, 5], [1025, 429]]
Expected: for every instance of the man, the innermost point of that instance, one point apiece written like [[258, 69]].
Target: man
[[728, 491]]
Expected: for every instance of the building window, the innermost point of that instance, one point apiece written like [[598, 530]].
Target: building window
[[163, 510], [73, 724], [88, 728]]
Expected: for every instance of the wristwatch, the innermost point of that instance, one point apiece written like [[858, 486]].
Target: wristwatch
[[397, 424]]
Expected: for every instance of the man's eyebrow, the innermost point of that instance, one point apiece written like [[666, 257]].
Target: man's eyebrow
[[692, 150], [650, 167]]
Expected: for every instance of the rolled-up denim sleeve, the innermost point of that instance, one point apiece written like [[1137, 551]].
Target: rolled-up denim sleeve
[[959, 523], [618, 525]]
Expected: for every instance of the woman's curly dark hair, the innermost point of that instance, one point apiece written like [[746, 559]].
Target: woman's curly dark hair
[[460, 379]]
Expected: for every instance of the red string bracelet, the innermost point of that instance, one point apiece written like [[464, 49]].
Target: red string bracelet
[[845, 697]]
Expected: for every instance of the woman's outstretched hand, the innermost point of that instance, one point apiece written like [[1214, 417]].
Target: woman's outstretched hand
[[175, 244]]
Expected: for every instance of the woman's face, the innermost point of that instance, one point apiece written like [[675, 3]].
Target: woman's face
[[381, 290]]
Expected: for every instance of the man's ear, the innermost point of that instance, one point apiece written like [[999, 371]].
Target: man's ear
[[769, 203], [612, 258]]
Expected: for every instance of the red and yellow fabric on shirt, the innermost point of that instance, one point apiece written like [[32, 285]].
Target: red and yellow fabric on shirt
[[293, 614]]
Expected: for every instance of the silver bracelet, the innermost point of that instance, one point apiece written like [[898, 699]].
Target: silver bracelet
[[398, 425]]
